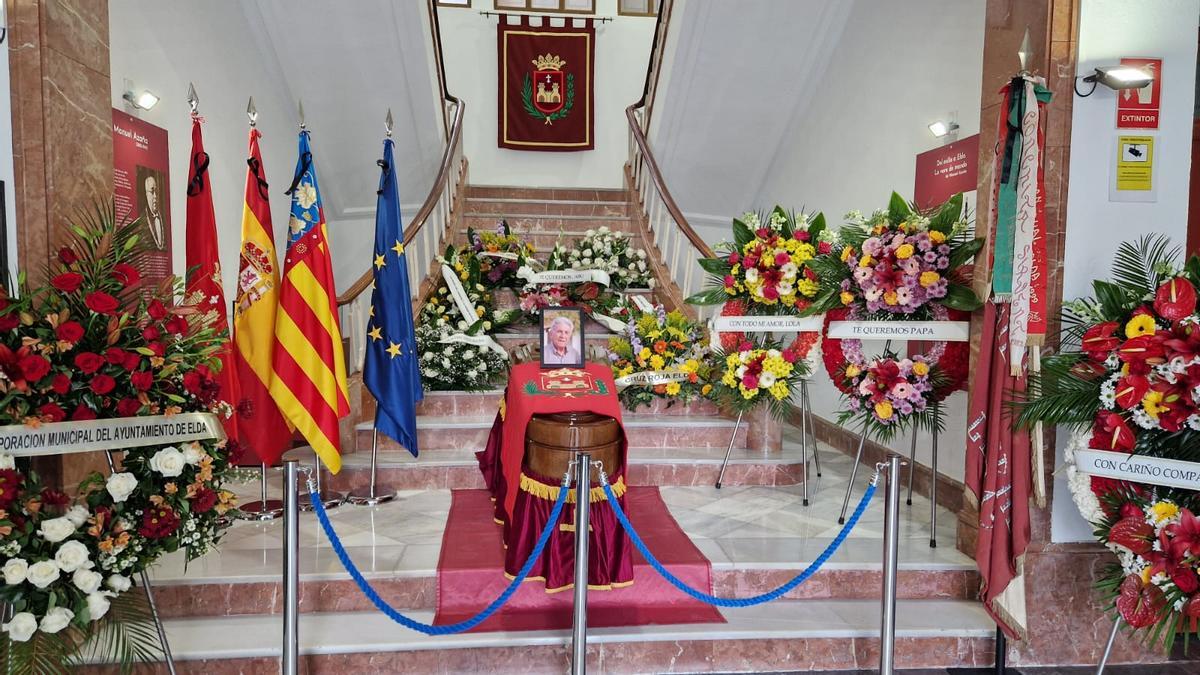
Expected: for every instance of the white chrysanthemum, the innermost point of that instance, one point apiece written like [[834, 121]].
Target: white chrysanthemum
[[1080, 483], [1143, 419]]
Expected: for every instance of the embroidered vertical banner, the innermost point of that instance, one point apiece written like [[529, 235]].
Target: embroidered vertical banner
[[545, 85]]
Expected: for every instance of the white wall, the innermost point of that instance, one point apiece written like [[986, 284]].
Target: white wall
[[622, 53], [1109, 30], [6, 163], [357, 61]]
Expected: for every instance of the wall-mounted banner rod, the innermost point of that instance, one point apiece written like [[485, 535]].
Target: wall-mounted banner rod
[[598, 19]]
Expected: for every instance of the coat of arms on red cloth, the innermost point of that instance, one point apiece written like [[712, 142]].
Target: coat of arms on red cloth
[[545, 85]]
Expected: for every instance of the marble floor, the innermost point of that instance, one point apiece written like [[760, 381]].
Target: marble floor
[[735, 527]]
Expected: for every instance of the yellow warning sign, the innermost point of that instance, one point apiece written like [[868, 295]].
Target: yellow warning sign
[[1135, 163]]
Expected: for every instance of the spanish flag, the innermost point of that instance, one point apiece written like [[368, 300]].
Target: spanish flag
[[265, 434], [309, 370], [203, 286]]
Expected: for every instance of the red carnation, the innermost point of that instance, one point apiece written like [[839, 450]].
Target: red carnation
[[734, 258], [126, 274], [88, 362], [803, 235], [150, 333], [61, 384], [102, 384], [158, 522], [128, 407], [55, 498], [115, 355], [1175, 299], [204, 500], [70, 331], [142, 380], [156, 310], [101, 302], [67, 282], [66, 256], [824, 248], [82, 413], [53, 411], [10, 487], [34, 367]]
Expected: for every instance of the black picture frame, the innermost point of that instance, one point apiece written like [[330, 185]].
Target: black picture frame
[[575, 347]]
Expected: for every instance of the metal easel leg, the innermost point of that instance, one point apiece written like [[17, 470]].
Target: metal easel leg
[[862, 440], [373, 494], [729, 450], [804, 445], [158, 624], [806, 410], [1112, 637], [264, 509], [912, 464], [329, 499], [933, 481]]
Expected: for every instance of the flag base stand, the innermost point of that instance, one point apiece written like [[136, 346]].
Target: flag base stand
[[329, 498], [370, 497], [264, 509]]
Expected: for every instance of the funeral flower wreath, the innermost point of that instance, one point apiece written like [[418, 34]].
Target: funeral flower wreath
[[95, 343]]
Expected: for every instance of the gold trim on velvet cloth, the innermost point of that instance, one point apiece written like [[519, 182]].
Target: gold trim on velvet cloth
[[591, 587], [550, 492]]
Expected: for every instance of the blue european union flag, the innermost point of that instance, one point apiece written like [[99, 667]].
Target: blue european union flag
[[392, 371]]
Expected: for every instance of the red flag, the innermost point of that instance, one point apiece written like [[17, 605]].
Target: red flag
[[265, 434], [203, 285], [998, 469]]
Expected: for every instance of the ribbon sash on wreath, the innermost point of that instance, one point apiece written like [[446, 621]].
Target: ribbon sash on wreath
[[545, 85]]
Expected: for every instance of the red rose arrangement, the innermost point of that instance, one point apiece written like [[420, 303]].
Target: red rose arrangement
[[92, 343]]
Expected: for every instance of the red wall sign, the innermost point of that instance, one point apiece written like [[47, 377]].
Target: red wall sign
[[142, 187], [1139, 108], [946, 171]]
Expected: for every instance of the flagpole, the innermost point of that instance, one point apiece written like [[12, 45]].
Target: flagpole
[[373, 494]]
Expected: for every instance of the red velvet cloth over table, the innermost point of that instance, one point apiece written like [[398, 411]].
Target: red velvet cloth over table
[[470, 575], [524, 500], [545, 85]]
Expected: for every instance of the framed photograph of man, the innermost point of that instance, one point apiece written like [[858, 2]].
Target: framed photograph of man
[[562, 337]]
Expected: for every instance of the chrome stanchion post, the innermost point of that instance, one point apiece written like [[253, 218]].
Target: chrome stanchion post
[[264, 509], [583, 474], [291, 568], [330, 500], [1112, 637], [373, 494], [729, 450], [891, 552], [933, 481], [158, 624]]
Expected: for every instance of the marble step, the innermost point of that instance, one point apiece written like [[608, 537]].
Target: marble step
[[782, 636], [546, 194], [461, 403], [524, 223], [436, 433], [543, 240], [480, 206]]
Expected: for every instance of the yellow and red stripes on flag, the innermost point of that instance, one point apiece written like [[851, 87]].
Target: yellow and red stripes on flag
[[309, 369], [265, 433]]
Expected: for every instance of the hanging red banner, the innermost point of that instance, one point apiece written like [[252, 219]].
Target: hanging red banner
[[141, 188], [545, 85]]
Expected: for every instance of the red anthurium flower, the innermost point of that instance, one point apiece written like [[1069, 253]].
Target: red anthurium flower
[[1101, 339], [67, 282], [1143, 349], [1132, 533], [1185, 535], [1131, 389], [1110, 432], [1175, 299], [101, 302], [126, 274], [1138, 603]]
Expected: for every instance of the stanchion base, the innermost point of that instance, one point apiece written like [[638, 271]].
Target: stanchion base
[[329, 499], [260, 510], [363, 496]]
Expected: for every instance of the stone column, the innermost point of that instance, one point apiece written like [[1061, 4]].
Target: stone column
[[62, 138]]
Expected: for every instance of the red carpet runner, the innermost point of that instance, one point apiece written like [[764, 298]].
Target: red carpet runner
[[471, 573]]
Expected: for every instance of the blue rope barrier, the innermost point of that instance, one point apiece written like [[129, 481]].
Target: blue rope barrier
[[430, 629], [736, 602]]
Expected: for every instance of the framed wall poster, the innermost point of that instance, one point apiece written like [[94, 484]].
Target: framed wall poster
[[562, 337], [141, 182]]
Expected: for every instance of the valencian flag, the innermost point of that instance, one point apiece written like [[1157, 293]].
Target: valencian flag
[[264, 432], [309, 382], [545, 86], [392, 372], [1003, 468], [203, 287]]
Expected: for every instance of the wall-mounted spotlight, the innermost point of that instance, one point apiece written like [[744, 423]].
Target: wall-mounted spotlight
[[940, 128], [144, 100], [1117, 78]]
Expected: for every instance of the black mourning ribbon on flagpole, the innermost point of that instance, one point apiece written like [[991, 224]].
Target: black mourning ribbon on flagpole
[[305, 164], [384, 167], [201, 167], [256, 169]]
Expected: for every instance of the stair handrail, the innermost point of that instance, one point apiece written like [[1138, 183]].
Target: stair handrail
[[679, 246]]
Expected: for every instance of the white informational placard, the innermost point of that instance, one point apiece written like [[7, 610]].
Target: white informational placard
[[651, 378], [945, 331], [1139, 468], [63, 438]]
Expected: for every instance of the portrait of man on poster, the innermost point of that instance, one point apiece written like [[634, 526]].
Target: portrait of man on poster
[[152, 205]]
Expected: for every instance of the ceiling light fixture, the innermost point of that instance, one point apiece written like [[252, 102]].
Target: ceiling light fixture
[[941, 128], [142, 101]]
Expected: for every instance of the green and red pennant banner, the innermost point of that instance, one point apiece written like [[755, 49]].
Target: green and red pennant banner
[[545, 85]]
